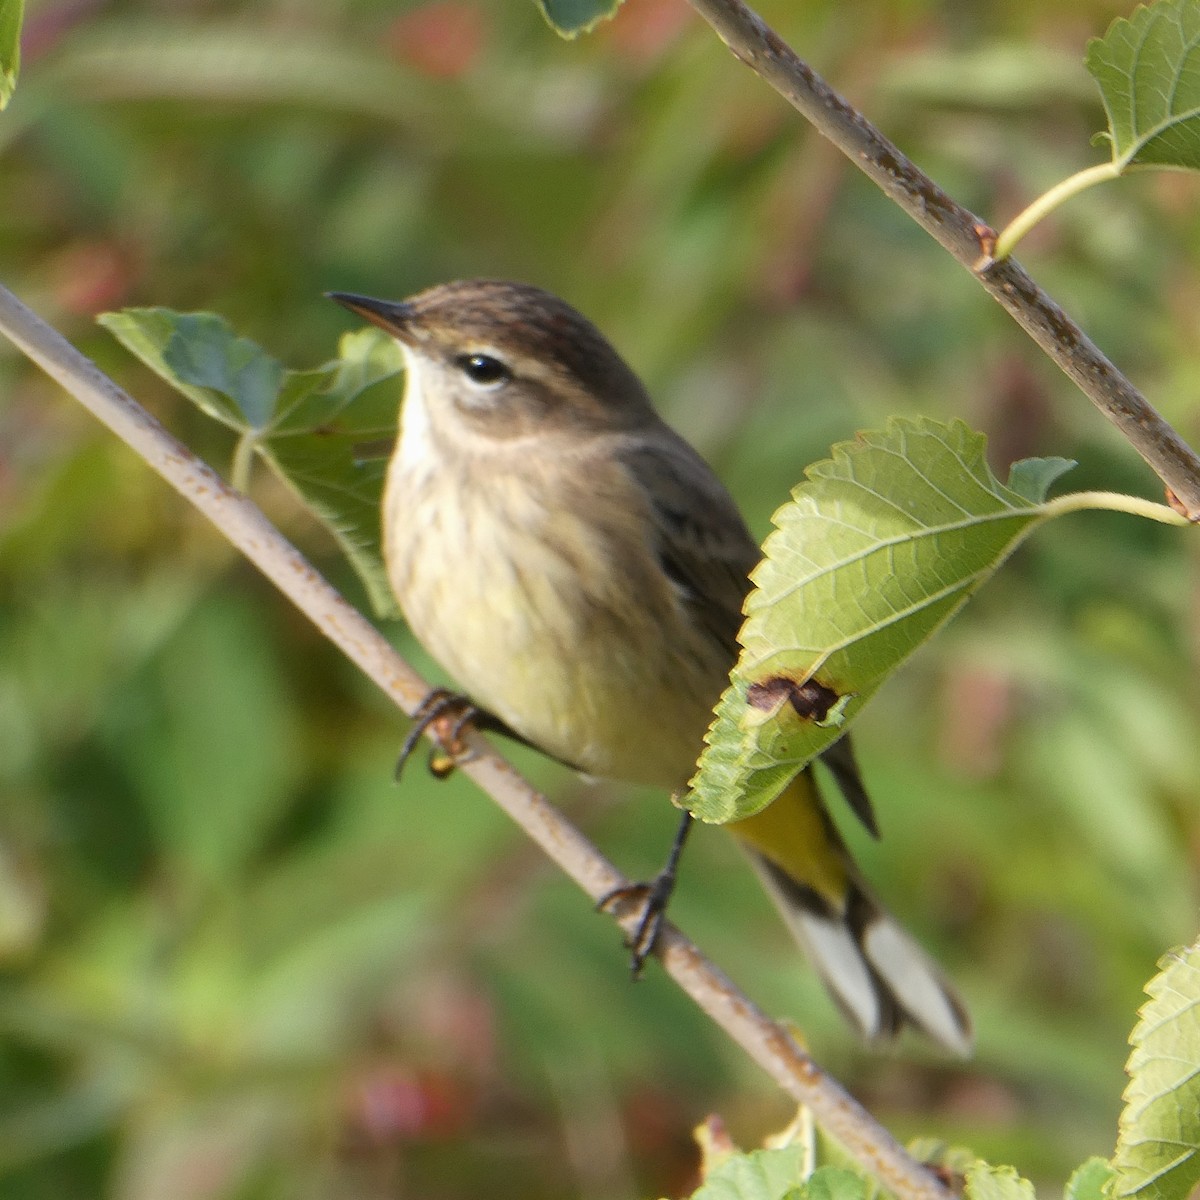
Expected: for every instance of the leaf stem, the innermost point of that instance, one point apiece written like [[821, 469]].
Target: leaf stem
[[1047, 202], [970, 240], [243, 461], [767, 1042], [1113, 502]]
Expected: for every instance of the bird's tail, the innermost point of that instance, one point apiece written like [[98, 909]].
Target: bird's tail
[[881, 979]]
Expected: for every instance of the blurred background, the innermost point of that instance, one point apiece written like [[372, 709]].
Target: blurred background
[[237, 960]]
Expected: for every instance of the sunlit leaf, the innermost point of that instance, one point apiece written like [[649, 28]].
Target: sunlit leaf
[[880, 546], [1148, 69], [835, 1183], [985, 1182], [1158, 1146], [326, 432], [778, 1175], [1089, 1181], [11, 12], [573, 17]]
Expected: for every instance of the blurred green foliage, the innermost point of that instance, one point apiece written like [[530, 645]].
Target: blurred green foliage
[[237, 960], [11, 14]]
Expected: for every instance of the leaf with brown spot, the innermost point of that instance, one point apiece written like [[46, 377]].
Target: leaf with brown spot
[[880, 545]]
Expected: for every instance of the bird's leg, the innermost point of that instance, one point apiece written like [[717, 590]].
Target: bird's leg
[[452, 712], [654, 896]]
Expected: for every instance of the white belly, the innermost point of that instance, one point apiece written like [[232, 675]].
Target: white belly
[[590, 657]]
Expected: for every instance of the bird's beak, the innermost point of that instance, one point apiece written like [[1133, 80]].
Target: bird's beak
[[394, 316]]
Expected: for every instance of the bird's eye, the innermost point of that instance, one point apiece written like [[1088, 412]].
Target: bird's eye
[[483, 369]]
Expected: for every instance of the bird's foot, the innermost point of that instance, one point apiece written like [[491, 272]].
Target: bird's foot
[[654, 895], [451, 713]]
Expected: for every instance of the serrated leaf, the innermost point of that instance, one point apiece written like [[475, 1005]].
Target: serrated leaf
[[759, 1175], [778, 1175], [1158, 1143], [985, 1182], [1089, 1181], [573, 17], [1148, 69], [311, 427], [877, 548], [880, 546], [12, 13]]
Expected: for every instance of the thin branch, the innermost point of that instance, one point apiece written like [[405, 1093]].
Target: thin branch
[[968, 239], [767, 1042]]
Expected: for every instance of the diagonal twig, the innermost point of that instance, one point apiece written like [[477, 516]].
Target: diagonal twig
[[241, 521], [967, 238]]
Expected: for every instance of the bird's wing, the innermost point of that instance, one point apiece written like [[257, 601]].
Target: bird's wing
[[702, 543], [708, 553]]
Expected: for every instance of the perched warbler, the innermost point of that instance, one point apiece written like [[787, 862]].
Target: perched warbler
[[576, 566]]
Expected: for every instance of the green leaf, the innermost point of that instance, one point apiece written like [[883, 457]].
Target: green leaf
[[835, 1183], [1148, 69], [325, 432], [880, 546], [1089, 1181], [948, 1159], [203, 352], [1158, 1143], [985, 1182], [1034, 477], [231, 379], [11, 14], [332, 445], [778, 1175], [573, 17]]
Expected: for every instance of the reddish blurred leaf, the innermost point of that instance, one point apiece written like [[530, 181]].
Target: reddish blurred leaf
[[45, 29], [91, 277], [443, 39], [647, 30], [977, 709], [391, 1104]]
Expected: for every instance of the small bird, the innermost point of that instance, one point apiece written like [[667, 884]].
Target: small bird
[[578, 568]]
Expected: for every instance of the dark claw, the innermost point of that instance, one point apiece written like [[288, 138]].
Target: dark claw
[[654, 896], [469, 713], [443, 762], [438, 703]]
